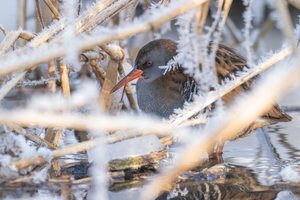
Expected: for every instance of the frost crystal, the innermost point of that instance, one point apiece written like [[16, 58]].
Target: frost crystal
[[248, 25]]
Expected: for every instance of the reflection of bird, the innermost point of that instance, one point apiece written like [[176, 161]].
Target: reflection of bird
[[229, 183], [160, 94]]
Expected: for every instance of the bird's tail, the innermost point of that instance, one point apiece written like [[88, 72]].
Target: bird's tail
[[276, 115]]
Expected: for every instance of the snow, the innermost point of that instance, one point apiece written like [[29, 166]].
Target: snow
[[69, 11], [175, 193], [98, 171], [134, 147], [284, 195], [290, 173], [258, 7], [6, 170]]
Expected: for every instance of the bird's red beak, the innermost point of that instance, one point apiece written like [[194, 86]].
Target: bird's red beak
[[134, 74]]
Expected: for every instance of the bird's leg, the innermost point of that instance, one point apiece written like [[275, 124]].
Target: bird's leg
[[219, 149], [217, 154]]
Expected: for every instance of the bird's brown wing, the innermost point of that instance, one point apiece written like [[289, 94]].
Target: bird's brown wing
[[229, 62]]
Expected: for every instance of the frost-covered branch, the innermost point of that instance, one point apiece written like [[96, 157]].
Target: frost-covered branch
[[285, 18], [247, 30]]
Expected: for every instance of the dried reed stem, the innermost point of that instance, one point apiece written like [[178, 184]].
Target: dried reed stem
[[64, 74], [52, 8], [22, 13], [99, 73], [51, 74], [38, 13], [117, 53], [110, 80]]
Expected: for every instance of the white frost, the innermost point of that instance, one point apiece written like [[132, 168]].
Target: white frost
[[134, 147], [290, 173]]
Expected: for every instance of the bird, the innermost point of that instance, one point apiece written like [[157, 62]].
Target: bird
[[160, 93]]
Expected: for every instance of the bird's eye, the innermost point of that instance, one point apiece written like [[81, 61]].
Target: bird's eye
[[148, 63]]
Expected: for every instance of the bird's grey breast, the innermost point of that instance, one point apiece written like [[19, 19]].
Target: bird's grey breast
[[163, 95]]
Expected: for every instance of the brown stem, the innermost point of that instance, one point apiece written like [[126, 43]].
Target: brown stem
[[52, 8]]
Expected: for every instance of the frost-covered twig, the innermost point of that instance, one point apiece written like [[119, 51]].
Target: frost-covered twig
[[83, 122], [230, 125], [9, 40], [84, 19], [285, 18], [64, 78], [30, 136], [199, 104], [4, 90]]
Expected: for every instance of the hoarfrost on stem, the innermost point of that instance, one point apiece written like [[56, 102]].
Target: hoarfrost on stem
[[248, 15], [98, 155]]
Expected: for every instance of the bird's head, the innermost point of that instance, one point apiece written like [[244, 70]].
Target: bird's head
[[149, 60]]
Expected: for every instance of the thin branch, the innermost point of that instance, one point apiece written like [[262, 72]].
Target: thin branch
[[51, 74], [64, 78], [9, 40], [38, 13], [4, 90], [98, 71]]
